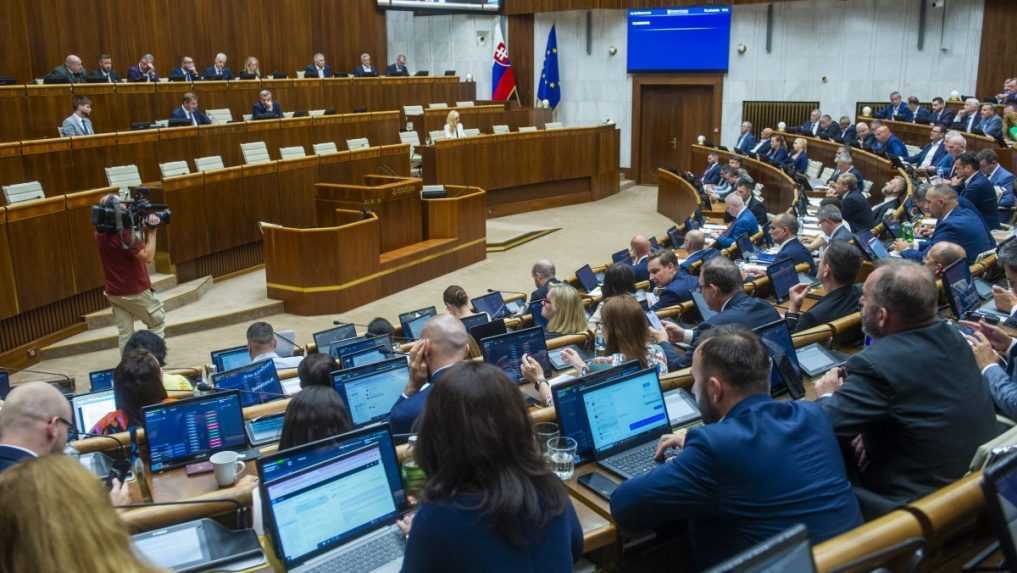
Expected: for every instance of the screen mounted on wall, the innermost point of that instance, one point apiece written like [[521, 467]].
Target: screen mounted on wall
[[442, 5], [690, 39]]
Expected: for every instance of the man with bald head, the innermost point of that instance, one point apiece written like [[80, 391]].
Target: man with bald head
[[890, 143], [34, 422], [695, 248], [640, 246], [70, 72], [942, 255], [762, 146], [442, 343], [954, 223], [913, 400], [543, 274], [744, 222]]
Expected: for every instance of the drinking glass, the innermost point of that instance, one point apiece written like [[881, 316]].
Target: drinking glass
[[561, 453], [545, 431]]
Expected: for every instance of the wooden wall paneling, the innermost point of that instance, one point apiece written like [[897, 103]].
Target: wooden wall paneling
[[243, 95], [138, 148], [8, 284], [328, 128], [225, 193], [167, 97], [48, 105], [343, 30], [296, 179], [769, 113], [14, 102], [49, 162], [107, 115], [87, 267], [267, 130], [530, 6], [37, 234], [11, 165], [136, 103], [298, 131], [15, 58], [223, 140], [187, 237], [336, 94], [213, 95], [260, 200], [998, 57], [87, 160], [520, 46], [177, 144]]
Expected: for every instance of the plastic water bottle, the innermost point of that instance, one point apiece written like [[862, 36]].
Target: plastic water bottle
[[907, 231], [599, 345], [413, 476]]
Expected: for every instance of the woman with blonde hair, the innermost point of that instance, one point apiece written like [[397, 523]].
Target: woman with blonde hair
[[800, 158], [453, 128], [627, 337], [57, 517], [564, 312], [251, 67]]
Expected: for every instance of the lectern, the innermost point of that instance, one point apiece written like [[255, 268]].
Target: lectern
[[395, 200]]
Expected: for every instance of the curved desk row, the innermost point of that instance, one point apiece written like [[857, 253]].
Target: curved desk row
[[677, 199], [34, 111], [778, 187], [529, 171], [918, 135], [66, 164], [873, 167]]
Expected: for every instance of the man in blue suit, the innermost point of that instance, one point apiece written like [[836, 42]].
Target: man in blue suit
[[918, 113], [318, 68], [955, 224], [848, 131], [811, 127], [144, 70], [442, 343], [845, 165], [897, 110], [976, 188], [640, 248], [991, 124], [1001, 179], [744, 222], [891, 144], [941, 114], [188, 112], [967, 119], [1001, 376], [218, 70], [672, 286], [711, 176], [757, 466], [34, 422], [784, 231], [186, 72], [933, 152], [762, 146], [746, 141], [265, 107], [365, 69], [695, 243]]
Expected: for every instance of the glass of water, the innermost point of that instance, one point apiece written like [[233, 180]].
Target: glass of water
[[561, 456], [544, 432]]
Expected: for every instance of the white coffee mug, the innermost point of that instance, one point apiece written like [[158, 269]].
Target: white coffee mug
[[226, 465]]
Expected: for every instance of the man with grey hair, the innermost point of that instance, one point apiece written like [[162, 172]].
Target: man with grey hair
[[854, 207], [954, 223], [746, 141], [218, 70], [34, 421], [897, 110], [398, 68], [265, 107], [811, 127], [912, 403], [968, 118], [831, 222], [443, 343], [365, 69], [743, 223], [543, 275], [845, 165], [70, 72], [318, 68], [144, 70]]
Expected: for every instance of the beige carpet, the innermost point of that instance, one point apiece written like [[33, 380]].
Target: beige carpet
[[589, 233], [503, 235]]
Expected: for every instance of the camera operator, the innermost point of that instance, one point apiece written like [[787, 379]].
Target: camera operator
[[125, 257]]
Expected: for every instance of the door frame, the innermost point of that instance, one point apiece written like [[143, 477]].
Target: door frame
[[714, 81]]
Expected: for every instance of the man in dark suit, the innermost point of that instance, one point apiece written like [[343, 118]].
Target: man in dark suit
[[914, 396], [398, 68], [933, 152], [746, 141], [890, 143], [831, 222], [942, 255], [838, 271], [218, 70], [265, 107], [828, 129], [848, 131], [991, 124], [640, 247], [845, 165], [756, 467], [543, 274], [104, 74], [941, 114], [784, 232], [365, 69], [745, 187], [34, 421], [762, 146], [443, 343], [955, 224], [854, 207], [864, 137], [711, 175], [744, 222], [672, 286], [918, 113], [811, 126], [318, 68], [1001, 179], [976, 188], [967, 119], [695, 246], [144, 70], [896, 111], [188, 112], [185, 72], [70, 72], [721, 284]]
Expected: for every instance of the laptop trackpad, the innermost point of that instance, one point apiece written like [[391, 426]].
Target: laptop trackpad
[[390, 567]]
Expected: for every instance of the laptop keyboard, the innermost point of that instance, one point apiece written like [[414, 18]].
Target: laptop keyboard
[[635, 462], [366, 556]]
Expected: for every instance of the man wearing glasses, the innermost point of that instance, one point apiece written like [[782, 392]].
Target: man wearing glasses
[[34, 421]]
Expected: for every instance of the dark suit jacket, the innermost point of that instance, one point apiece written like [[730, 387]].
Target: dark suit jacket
[[695, 257], [134, 74], [259, 110], [922, 115], [96, 76], [745, 224], [761, 148], [856, 211], [919, 157], [806, 128], [842, 234], [767, 465], [63, 74], [641, 268], [796, 251], [942, 117], [834, 305], [962, 226], [745, 142], [962, 123], [406, 410], [360, 72], [677, 291], [311, 71], [758, 211], [212, 74], [901, 113], [712, 175], [393, 70], [918, 400], [180, 114], [541, 293], [10, 456], [853, 171], [179, 74], [831, 131], [741, 309], [777, 156], [849, 136], [982, 195]]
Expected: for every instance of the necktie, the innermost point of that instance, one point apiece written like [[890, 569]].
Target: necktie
[[84, 127], [971, 123]]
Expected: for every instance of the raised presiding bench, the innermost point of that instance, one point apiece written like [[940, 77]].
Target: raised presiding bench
[[331, 269], [484, 118], [530, 171]]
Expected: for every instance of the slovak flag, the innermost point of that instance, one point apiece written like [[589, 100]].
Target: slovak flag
[[503, 80]]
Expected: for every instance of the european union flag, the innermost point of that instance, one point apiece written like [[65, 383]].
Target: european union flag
[[550, 86]]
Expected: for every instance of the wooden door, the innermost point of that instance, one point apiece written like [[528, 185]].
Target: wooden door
[[671, 119]]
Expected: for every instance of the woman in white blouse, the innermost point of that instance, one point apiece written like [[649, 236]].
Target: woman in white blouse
[[454, 129]]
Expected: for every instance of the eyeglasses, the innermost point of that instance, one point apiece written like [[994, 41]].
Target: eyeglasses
[[48, 420]]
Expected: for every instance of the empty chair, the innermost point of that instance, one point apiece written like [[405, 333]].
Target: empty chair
[[437, 135], [248, 117], [528, 129], [826, 174], [210, 163], [413, 139], [413, 110], [464, 104], [913, 149], [500, 129], [288, 114], [255, 152], [316, 112], [294, 152], [472, 131], [438, 105], [814, 168], [866, 186], [123, 176], [174, 169], [326, 148], [20, 192], [550, 125], [358, 143], [223, 115]]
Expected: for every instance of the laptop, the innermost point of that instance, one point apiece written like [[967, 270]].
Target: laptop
[[871, 247], [323, 340], [816, 360], [351, 346], [569, 406], [787, 552], [682, 409], [961, 292], [587, 279], [333, 504], [101, 380], [704, 309], [265, 430], [88, 409], [191, 430], [231, 358], [999, 484], [199, 545], [495, 306], [414, 328], [366, 356], [506, 351], [410, 319], [785, 372], [285, 342], [370, 391], [257, 383], [474, 320], [622, 256], [745, 246], [488, 329], [782, 277], [677, 240]]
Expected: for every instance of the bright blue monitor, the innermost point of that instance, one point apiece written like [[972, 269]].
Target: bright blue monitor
[[686, 39]]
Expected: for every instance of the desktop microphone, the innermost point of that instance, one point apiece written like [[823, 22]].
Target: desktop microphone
[[392, 335], [241, 509], [204, 387], [525, 295]]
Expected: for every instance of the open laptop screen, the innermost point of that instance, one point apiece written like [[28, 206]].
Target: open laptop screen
[[258, 383], [410, 321], [586, 278], [370, 391], [366, 356], [230, 358], [324, 339], [350, 346], [789, 552], [622, 256], [568, 403], [960, 289], [475, 320], [193, 429], [488, 329], [89, 408], [778, 335], [491, 303], [324, 494], [506, 351], [782, 276], [101, 380], [621, 411]]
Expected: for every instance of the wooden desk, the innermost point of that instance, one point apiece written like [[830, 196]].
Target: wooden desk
[[484, 118], [873, 167], [529, 171], [778, 187], [677, 199], [918, 135]]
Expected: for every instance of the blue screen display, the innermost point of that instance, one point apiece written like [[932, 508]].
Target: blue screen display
[[371, 391], [679, 39], [258, 383], [193, 429], [101, 380], [506, 351]]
